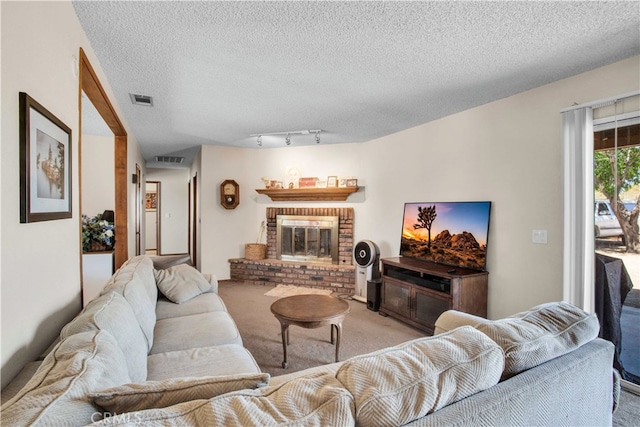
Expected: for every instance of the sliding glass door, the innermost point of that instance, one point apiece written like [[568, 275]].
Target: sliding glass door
[[616, 182]]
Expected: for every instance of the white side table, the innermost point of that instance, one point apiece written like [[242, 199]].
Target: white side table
[[97, 268]]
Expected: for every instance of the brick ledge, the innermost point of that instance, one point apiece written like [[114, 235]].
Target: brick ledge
[[338, 278]]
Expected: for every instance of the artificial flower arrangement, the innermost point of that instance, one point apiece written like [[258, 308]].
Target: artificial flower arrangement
[[97, 234]]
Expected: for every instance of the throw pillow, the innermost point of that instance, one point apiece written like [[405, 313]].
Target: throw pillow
[[397, 385], [160, 394], [318, 400], [543, 333], [180, 283]]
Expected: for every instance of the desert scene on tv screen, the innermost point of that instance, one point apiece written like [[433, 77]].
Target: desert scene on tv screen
[[447, 233]]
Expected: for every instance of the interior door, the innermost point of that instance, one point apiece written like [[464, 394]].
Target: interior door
[[194, 221], [138, 209]]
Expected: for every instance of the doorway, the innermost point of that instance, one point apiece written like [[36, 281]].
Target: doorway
[[91, 86], [193, 207], [616, 189], [579, 144], [137, 180], [152, 218]]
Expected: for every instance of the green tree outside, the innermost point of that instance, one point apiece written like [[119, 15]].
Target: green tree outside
[[626, 162]]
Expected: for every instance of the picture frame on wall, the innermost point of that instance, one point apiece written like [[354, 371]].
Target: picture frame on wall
[[45, 163], [151, 202], [332, 182]]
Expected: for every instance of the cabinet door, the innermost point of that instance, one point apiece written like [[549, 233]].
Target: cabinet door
[[396, 297], [429, 306]]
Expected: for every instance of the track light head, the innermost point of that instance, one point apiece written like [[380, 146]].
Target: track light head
[[288, 135]]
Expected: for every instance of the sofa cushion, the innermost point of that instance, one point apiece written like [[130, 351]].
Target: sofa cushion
[[112, 313], [543, 333], [181, 282], [196, 330], [225, 359], [203, 303], [58, 393], [399, 384], [160, 394], [307, 401], [136, 283]]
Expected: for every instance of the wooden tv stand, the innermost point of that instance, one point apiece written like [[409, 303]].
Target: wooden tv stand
[[418, 292]]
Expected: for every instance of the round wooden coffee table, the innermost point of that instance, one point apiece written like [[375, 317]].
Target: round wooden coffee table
[[310, 311]]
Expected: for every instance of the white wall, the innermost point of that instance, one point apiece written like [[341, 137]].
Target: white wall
[[98, 185], [174, 209], [36, 302], [508, 152]]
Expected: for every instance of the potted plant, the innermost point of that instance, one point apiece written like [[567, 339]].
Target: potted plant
[[97, 234]]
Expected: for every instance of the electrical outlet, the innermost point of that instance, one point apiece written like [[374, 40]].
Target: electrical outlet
[[539, 236]]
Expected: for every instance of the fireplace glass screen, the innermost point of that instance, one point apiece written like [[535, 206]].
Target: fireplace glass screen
[[307, 238]]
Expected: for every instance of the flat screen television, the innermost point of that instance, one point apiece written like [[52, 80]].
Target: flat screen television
[[451, 233]]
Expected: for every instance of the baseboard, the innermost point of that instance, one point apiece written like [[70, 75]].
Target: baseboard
[[630, 387]]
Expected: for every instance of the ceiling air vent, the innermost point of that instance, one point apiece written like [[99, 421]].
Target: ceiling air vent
[[141, 100], [170, 159]]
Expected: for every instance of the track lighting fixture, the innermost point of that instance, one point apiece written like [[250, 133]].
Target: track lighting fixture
[[288, 134]]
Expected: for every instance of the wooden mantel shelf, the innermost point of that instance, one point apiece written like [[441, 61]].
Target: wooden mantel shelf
[[338, 194]]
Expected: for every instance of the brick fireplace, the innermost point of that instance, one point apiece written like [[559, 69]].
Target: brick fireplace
[[338, 277]]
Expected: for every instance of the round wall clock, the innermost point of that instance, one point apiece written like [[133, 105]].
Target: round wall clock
[[229, 194]]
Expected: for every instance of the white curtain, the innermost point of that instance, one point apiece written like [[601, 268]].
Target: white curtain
[[578, 221]]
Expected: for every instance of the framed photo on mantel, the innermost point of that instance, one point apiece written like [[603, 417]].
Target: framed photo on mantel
[[45, 164]]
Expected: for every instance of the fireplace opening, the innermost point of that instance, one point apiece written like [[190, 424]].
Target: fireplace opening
[[307, 238]]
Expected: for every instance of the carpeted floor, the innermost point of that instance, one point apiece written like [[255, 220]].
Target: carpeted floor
[[363, 331], [289, 291], [628, 412]]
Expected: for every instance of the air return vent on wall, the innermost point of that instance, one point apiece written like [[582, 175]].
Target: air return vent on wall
[[141, 100], [169, 159]]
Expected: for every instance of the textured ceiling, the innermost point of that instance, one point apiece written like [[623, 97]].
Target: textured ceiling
[[220, 71]]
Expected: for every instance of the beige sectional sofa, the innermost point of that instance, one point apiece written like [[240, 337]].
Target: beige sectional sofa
[[132, 333], [158, 347]]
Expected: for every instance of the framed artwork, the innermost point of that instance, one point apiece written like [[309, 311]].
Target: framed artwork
[[152, 201], [332, 182], [352, 182], [45, 164]]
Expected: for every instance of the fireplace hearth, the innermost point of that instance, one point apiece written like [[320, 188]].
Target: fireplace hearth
[[344, 232], [317, 270]]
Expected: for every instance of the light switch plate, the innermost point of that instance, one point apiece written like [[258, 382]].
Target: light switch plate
[[539, 236]]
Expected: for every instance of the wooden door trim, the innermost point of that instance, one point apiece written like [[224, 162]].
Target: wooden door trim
[[90, 84], [138, 208]]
